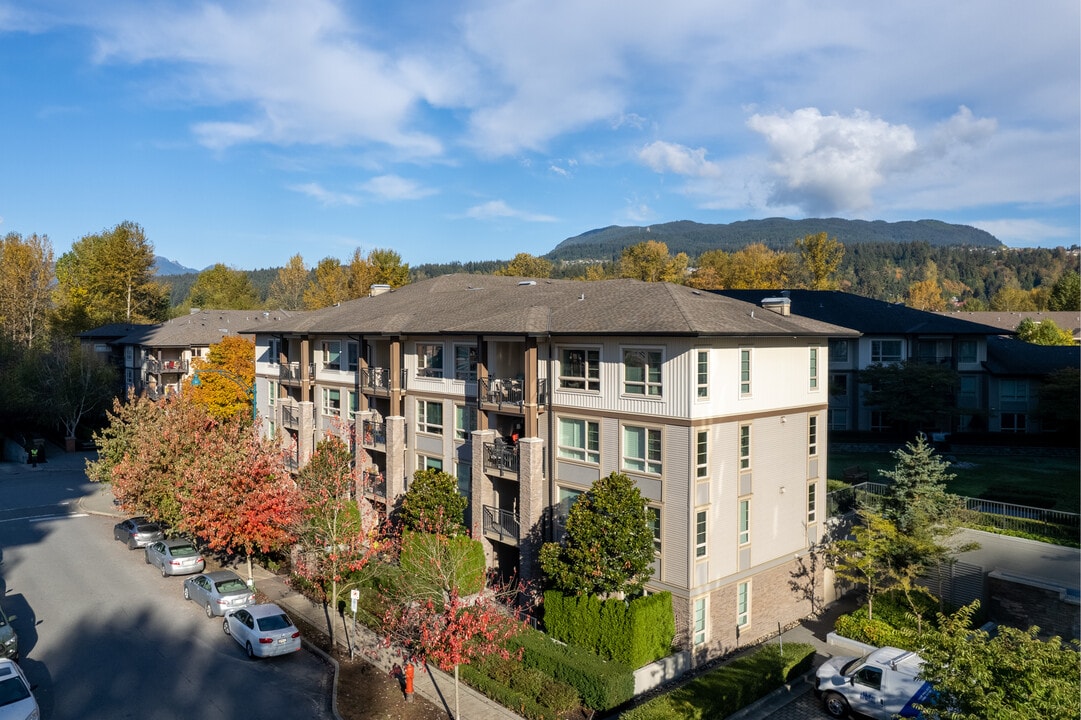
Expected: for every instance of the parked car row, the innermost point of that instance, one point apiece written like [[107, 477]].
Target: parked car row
[[263, 630]]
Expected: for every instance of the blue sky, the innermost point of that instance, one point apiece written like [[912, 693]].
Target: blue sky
[[245, 132]]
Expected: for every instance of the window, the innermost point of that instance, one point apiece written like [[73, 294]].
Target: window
[[699, 621], [1013, 390], [332, 401], [426, 462], [885, 351], [966, 351], [812, 435], [641, 449], [332, 355], [272, 393], [465, 362], [968, 390], [352, 354], [744, 522], [743, 604], [353, 403], [744, 372], [702, 374], [701, 455], [567, 498], [838, 350], [653, 519], [838, 385], [813, 369], [1013, 422], [812, 490], [465, 421], [579, 440], [744, 447], [430, 416], [274, 350], [464, 473], [869, 676], [642, 372], [838, 419], [700, 533], [580, 369], [879, 421], [429, 360]]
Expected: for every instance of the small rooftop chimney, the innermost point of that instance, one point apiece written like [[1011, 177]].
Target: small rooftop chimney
[[378, 289], [779, 305]]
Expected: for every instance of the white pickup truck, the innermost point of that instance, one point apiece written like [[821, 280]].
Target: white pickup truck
[[882, 684]]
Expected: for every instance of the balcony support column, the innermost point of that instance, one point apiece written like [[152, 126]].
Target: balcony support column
[[305, 432], [531, 505], [481, 492], [394, 472]]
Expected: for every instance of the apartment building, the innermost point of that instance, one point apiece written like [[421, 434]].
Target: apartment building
[[529, 390]]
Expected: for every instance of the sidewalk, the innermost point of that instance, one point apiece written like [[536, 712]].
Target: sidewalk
[[433, 685]]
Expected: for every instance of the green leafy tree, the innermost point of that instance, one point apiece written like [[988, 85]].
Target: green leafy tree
[[433, 504], [71, 383], [222, 288], [651, 262], [1060, 398], [287, 290], [1012, 675], [864, 558], [608, 547], [1013, 299], [329, 285], [388, 268], [526, 265], [106, 278], [26, 277], [889, 387], [1066, 292], [1043, 332], [820, 256]]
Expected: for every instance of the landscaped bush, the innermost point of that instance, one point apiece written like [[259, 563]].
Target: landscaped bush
[[893, 622], [528, 691], [635, 633], [731, 687], [419, 549], [601, 684]]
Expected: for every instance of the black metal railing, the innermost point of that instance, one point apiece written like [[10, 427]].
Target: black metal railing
[[155, 366], [502, 524], [373, 434], [292, 372], [501, 456], [509, 391]]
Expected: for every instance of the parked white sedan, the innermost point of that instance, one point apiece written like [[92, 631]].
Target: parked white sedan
[[262, 630]]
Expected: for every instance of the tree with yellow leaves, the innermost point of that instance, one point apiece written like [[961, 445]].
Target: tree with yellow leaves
[[224, 380], [650, 261], [526, 265]]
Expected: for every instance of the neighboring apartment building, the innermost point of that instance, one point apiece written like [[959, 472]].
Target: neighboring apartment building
[[1015, 373], [890, 333], [528, 391], [1007, 321]]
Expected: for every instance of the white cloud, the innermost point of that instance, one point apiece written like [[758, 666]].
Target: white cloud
[[1022, 232], [669, 157], [495, 209], [393, 187], [327, 198], [831, 163]]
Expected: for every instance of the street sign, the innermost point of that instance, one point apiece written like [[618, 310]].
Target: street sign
[[354, 595]]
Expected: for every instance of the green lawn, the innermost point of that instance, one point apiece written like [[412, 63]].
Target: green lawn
[[1051, 482]]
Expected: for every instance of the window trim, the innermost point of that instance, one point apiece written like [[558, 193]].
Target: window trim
[[571, 452], [812, 435], [654, 512], [650, 434], [471, 358], [426, 426], [743, 522], [744, 447], [590, 366], [813, 369], [745, 375], [651, 388], [424, 368], [464, 412], [812, 501], [701, 534], [701, 374], [327, 409], [700, 620], [701, 454], [743, 604], [877, 355], [328, 353]]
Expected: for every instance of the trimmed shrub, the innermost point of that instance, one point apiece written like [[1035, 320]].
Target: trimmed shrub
[[419, 548], [601, 684], [634, 633]]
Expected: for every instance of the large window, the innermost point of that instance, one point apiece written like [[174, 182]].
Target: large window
[[1013, 422], [837, 418], [567, 498], [744, 447], [465, 362], [744, 522], [744, 372], [430, 360], [700, 533], [1013, 390], [702, 374], [465, 421], [743, 604], [352, 351], [813, 369], [966, 351], [642, 372], [700, 615], [353, 403], [332, 401], [838, 385], [430, 416], [273, 350], [332, 355], [579, 440], [812, 435], [653, 519], [701, 454], [580, 369], [838, 350], [812, 490], [885, 351], [641, 449]]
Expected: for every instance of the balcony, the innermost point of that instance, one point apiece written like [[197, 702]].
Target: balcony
[[376, 381], [157, 367], [501, 525], [290, 373], [501, 457], [374, 435], [374, 483], [502, 392], [290, 416]]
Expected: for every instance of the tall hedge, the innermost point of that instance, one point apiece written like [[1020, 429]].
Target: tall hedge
[[601, 684], [634, 633]]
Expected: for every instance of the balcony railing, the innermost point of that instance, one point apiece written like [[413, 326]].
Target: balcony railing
[[291, 372], [290, 416], [374, 435], [501, 456], [509, 391], [501, 525], [155, 366], [377, 379], [374, 483]]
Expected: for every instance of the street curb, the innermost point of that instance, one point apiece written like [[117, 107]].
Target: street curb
[[334, 682], [777, 699]]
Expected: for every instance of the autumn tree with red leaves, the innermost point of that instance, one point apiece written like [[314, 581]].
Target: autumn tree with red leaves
[[339, 536]]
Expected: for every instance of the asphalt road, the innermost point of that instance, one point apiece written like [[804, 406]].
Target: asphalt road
[[103, 635]]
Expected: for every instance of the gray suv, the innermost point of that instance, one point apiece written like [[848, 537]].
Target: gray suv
[[9, 641]]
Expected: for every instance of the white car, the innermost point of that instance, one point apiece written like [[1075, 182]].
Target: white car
[[262, 630], [16, 697]]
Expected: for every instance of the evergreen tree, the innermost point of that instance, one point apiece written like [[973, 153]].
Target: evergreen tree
[[917, 500], [433, 504], [1066, 292], [1043, 332]]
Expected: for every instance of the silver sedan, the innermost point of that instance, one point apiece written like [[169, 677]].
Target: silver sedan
[[137, 532], [218, 591], [175, 557], [262, 630]]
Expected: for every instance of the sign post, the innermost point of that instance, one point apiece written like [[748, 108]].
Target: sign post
[[354, 595]]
